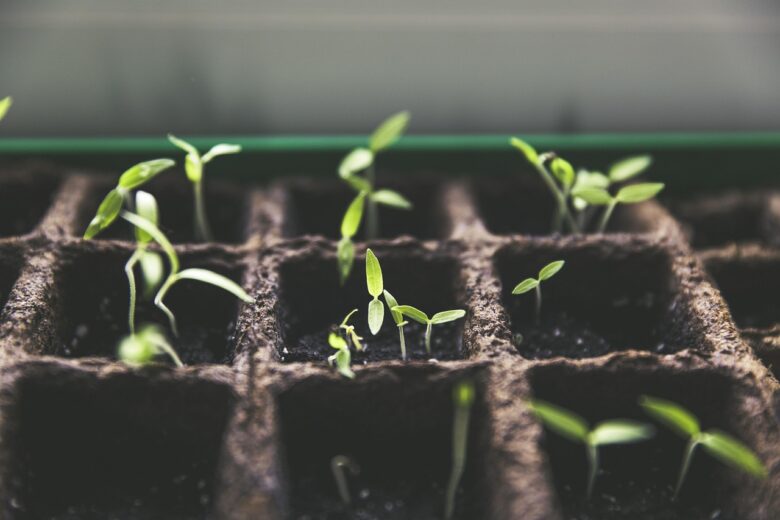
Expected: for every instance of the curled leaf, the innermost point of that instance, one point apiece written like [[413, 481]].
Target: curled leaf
[[106, 214], [526, 148], [563, 171]]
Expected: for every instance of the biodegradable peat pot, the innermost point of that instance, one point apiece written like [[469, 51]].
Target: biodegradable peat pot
[[247, 429]]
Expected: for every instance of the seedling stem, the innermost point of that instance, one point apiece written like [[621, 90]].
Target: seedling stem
[[545, 273], [463, 398], [337, 466], [420, 317]]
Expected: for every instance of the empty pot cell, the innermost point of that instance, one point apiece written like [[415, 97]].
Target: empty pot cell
[[636, 481], [94, 295], [522, 205], [725, 218], [226, 210], [317, 208], [313, 304], [397, 430], [609, 296], [24, 200], [121, 447]]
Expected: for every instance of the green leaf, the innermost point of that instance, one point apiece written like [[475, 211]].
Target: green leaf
[[351, 222], [184, 145], [525, 286], [398, 318], [563, 171], [5, 104], [216, 279], [143, 172], [413, 313], [732, 452], [146, 207], [373, 275], [447, 316], [560, 420], [672, 415], [586, 179], [221, 149], [106, 214], [336, 341], [152, 270], [639, 192], [389, 131], [356, 161], [595, 196], [526, 148], [376, 316], [358, 183], [157, 235], [550, 270], [343, 360], [629, 167], [193, 167], [135, 350], [391, 198], [345, 254], [620, 431], [463, 394]]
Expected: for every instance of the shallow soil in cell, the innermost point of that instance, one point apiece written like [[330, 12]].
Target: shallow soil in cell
[[94, 306], [637, 481], [123, 448], [397, 432], [317, 208], [24, 200]]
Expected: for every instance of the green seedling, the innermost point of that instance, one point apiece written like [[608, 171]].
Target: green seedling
[[399, 320], [349, 331], [150, 262], [376, 310], [176, 275], [360, 160], [140, 348], [111, 206], [631, 194], [463, 399], [718, 444], [575, 428], [337, 466], [528, 284], [437, 319], [5, 105], [194, 165], [342, 359]]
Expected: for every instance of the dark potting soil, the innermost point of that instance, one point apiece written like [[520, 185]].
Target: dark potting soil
[[750, 286], [24, 202]]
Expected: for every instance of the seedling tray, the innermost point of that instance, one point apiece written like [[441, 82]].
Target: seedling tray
[[668, 304]]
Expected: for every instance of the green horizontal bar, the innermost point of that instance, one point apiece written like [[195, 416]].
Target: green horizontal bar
[[414, 143]]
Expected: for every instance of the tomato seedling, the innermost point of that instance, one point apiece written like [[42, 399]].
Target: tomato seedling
[[140, 348], [437, 319], [631, 194], [529, 284], [342, 359], [338, 465], [463, 399], [399, 320]]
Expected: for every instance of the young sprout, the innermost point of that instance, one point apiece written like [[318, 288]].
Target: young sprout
[[175, 275], [720, 445], [342, 358], [5, 104], [399, 320], [349, 227], [437, 319], [463, 399], [194, 165], [526, 285], [337, 465], [349, 331], [631, 194], [151, 263], [376, 311], [575, 428], [139, 349], [134, 177]]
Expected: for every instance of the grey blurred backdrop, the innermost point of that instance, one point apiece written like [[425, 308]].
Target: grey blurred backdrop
[[143, 67]]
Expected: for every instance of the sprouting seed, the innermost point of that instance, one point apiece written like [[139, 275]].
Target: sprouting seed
[[575, 428], [528, 284], [376, 310], [140, 348], [437, 319], [720, 445], [349, 331], [399, 320], [337, 466], [463, 399], [631, 194], [5, 105], [194, 165], [342, 359]]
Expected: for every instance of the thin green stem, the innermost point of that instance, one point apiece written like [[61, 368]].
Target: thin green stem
[[403, 341], [606, 215], [165, 347], [202, 229], [372, 211], [460, 432], [563, 209], [538, 303], [337, 466], [158, 302], [593, 467], [689, 449], [129, 266], [428, 331]]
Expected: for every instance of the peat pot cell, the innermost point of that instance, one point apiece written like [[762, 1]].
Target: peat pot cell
[[124, 447], [398, 431], [226, 210], [636, 481], [317, 208], [726, 218], [313, 304], [9, 272], [609, 296], [93, 294], [24, 201], [521, 205]]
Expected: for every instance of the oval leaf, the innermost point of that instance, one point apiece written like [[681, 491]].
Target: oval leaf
[[357, 160], [143, 172], [217, 280], [391, 198], [732, 452], [621, 432], [563, 171], [346, 257], [389, 131], [629, 167], [594, 196], [550, 270], [221, 149], [526, 148], [106, 214], [447, 316], [639, 192], [672, 415], [560, 420], [525, 286], [376, 316], [146, 207], [391, 302], [373, 275], [351, 222], [413, 313], [5, 104]]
